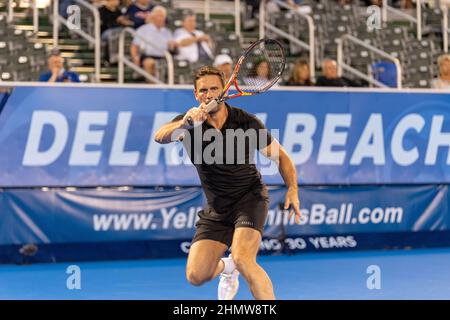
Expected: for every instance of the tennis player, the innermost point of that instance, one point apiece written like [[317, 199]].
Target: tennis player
[[237, 199]]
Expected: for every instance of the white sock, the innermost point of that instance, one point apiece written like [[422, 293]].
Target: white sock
[[229, 265]]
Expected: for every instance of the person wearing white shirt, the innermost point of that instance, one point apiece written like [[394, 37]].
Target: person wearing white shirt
[[443, 81], [193, 45], [153, 39]]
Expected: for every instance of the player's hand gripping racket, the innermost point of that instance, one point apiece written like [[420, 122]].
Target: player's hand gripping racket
[[245, 77]]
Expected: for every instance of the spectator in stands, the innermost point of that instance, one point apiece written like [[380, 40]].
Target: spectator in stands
[[98, 3], [63, 6], [154, 39], [443, 81], [330, 76], [404, 4], [300, 75], [126, 3], [373, 2], [111, 22], [139, 12], [224, 63], [300, 6], [193, 45], [57, 72], [112, 18], [260, 74]]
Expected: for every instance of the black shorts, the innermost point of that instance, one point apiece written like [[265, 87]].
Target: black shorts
[[143, 57], [250, 211]]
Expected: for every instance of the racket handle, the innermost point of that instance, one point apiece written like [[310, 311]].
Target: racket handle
[[209, 107]]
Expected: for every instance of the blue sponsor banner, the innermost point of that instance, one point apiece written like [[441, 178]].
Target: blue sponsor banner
[[93, 224], [69, 136], [90, 215]]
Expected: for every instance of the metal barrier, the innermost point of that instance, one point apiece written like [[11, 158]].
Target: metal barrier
[[237, 14], [445, 29], [263, 25], [369, 78], [417, 20]]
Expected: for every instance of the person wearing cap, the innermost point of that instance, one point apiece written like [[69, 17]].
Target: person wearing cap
[[193, 45], [224, 63], [443, 81], [57, 72]]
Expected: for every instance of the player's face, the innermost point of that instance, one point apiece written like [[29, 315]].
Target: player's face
[[209, 87]]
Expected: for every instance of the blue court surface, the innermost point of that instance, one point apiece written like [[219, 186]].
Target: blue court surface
[[404, 274]]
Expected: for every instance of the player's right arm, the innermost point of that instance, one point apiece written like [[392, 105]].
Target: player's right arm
[[166, 133]]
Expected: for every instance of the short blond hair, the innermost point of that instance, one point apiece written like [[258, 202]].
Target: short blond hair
[[442, 58], [160, 8]]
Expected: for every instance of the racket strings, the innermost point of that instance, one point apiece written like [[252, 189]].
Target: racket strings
[[262, 66]]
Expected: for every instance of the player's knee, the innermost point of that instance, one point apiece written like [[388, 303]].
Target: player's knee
[[243, 262], [195, 278]]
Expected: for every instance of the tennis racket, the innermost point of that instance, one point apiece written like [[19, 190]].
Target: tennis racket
[[246, 78]]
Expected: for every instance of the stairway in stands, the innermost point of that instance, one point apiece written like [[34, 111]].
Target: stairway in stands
[[78, 53]]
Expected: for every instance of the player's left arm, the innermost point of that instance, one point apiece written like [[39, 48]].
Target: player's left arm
[[277, 153]]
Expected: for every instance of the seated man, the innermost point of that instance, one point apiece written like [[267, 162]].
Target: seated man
[[56, 72], [193, 45], [330, 76], [154, 39]]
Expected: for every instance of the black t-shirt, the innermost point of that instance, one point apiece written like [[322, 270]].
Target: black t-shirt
[[109, 18], [226, 168]]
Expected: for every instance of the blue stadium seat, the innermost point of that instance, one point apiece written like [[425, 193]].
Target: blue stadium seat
[[385, 72]]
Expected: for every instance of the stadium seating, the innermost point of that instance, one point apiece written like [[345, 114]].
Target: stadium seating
[[418, 58]]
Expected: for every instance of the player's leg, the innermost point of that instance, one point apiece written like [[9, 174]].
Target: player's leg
[[204, 261], [246, 242], [212, 238]]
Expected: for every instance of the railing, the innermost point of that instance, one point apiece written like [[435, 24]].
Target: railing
[[369, 78], [417, 20], [55, 23], [10, 14], [123, 60], [95, 40], [263, 25], [445, 29], [237, 14], [10, 11], [207, 10], [35, 17]]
